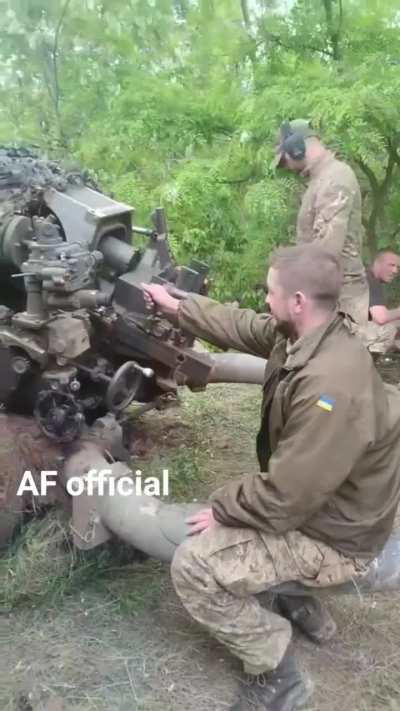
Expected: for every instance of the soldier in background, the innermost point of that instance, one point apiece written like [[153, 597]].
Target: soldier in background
[[330, 211], [379, 335]]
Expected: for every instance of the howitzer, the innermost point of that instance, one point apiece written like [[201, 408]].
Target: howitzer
[[78, 342], [149, 524], [77, 338]]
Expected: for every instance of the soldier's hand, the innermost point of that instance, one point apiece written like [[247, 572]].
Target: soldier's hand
[[201, 521], [158, 295]]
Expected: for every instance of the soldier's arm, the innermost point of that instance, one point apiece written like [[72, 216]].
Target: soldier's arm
[[332, 212], [381, 315], [322, 440], [224, 326], [227, 326]]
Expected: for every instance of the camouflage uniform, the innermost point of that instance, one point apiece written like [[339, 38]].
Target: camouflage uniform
[[330, 213], [379, 339], [324, 503], [218, 572]]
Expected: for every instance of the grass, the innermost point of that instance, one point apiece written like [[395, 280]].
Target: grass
[[104, 630], [186, 476], [42, 567]]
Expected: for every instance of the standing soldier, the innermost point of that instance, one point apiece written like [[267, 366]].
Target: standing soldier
[[330, 211]]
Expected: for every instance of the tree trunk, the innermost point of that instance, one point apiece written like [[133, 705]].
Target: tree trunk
[[333, 32], [245, 13], [379, 193]]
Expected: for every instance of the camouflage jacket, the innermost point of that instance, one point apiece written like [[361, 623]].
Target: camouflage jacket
[[329, 440], [330, 212]]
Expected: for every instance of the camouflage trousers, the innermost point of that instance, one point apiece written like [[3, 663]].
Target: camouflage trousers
[[354, 300], [218, 572], [379, 339]]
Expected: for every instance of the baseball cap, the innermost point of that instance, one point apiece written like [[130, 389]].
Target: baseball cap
[[300, 127]]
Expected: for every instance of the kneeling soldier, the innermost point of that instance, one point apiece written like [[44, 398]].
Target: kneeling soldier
[[323, 505]]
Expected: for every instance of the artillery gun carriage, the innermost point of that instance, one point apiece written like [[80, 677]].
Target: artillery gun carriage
[[77, 339]]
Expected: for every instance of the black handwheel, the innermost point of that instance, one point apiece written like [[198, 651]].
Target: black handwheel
[[123, 387]]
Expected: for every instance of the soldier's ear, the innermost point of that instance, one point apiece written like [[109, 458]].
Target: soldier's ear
[[299, 300]]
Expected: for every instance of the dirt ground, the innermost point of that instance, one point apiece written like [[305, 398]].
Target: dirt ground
[[96, 633]]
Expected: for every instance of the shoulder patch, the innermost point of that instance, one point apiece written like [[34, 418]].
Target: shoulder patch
[[326, 403]]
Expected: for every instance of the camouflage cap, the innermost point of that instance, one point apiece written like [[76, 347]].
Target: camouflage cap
[[300, 127]]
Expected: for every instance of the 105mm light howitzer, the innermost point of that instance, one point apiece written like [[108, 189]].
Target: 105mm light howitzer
[[78, 341], [76, 336]]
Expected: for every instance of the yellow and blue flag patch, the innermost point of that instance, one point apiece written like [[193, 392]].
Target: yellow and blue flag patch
[[326, 403]]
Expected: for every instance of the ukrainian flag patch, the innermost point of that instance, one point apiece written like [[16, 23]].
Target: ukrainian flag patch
[[326, 403]]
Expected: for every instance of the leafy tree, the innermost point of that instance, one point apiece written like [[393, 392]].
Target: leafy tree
[[179, 103]]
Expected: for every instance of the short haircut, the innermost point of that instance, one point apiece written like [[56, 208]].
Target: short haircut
[[312, 269], [381, 253]]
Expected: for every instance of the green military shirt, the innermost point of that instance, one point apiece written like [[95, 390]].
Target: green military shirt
[[330, 213], [329, 440]]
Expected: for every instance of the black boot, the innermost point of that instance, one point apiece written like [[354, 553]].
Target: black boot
[[308, 614], [284, 689]]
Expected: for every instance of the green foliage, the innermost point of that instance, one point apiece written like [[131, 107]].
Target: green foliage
[[178, 104], [42, 568]]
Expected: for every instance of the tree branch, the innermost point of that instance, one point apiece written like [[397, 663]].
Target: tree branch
[[387, 181], [245, 13], [55, 51], [379, 191], [290, 47], [54, 56], [334, 34], [393, 151], [238, 181], [370, 222], [395, 233], [370, 175], [340, 17]]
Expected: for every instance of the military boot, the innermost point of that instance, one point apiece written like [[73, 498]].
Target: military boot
[[283, 689], [308, 614]]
